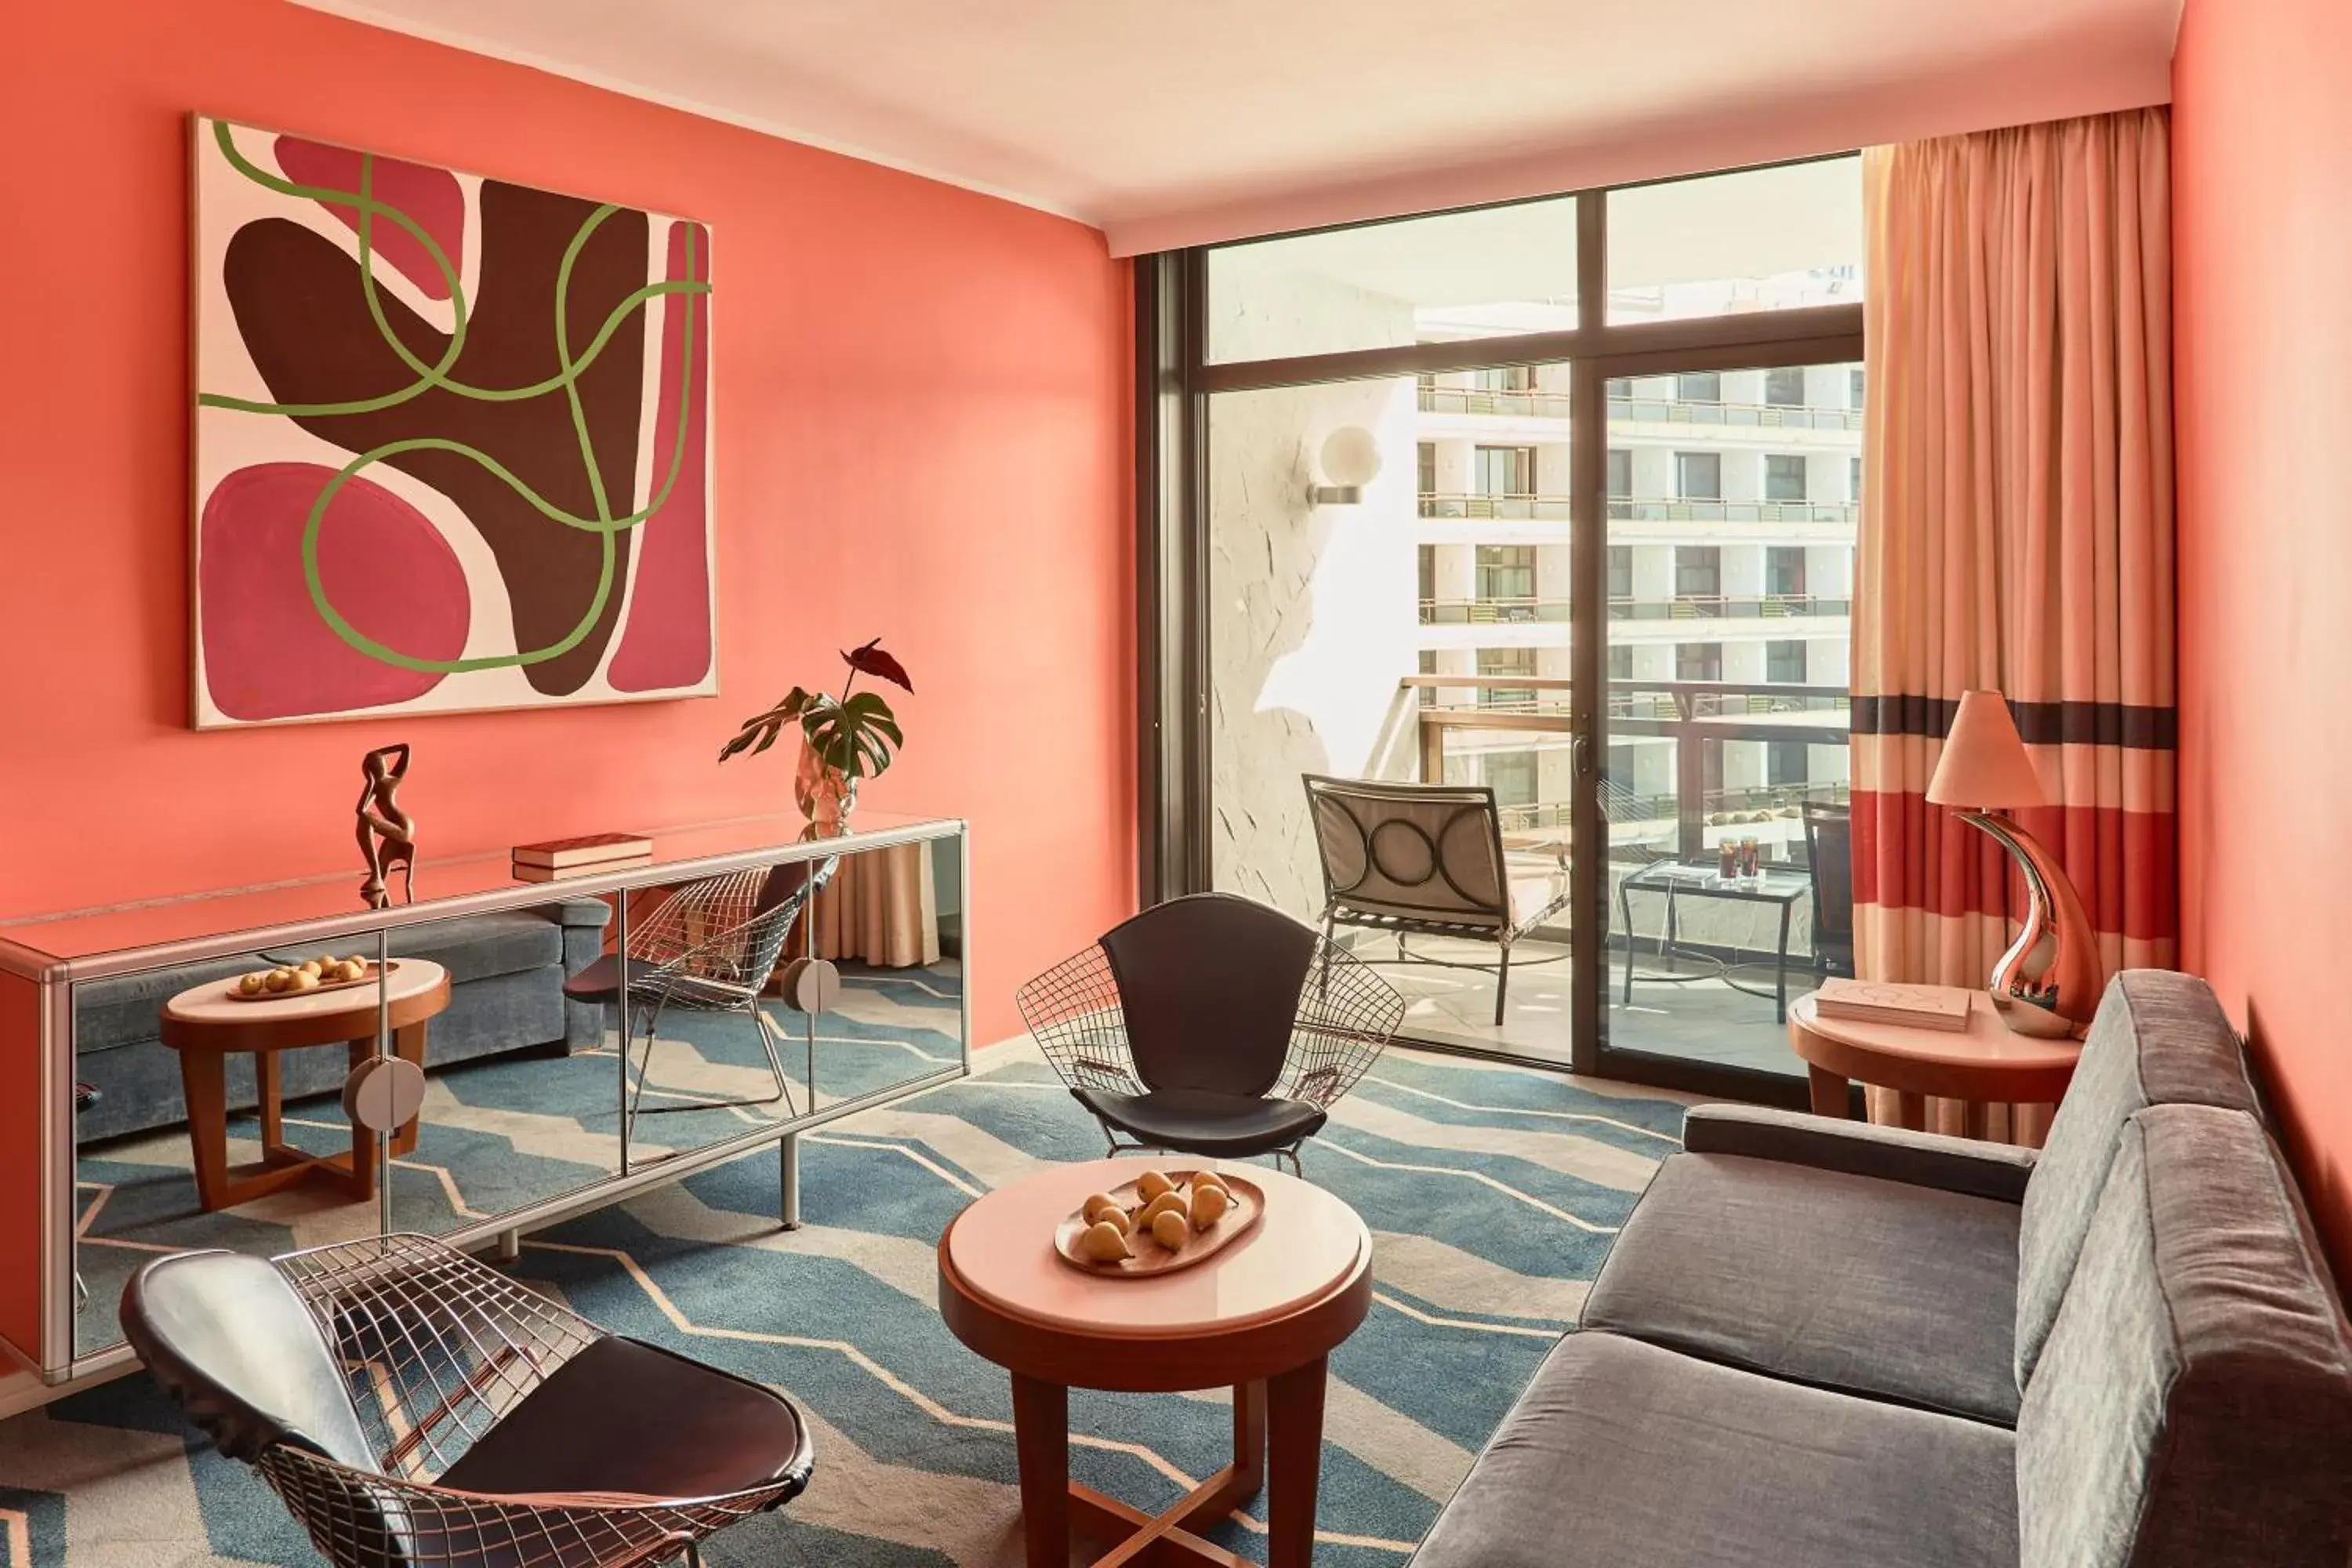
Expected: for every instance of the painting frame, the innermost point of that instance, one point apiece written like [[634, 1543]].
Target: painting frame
[[635, 590]]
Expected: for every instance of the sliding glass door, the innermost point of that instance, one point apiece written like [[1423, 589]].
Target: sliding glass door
[[1496, 561]]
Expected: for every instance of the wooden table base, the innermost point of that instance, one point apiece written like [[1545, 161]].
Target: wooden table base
[[1053, 1507], [220, 1185]]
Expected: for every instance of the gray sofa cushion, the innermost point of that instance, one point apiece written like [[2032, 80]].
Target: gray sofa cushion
[[1885, 1288], [2194, 1402], [1620, 1455], [1968, 1165], [2159, 1038]]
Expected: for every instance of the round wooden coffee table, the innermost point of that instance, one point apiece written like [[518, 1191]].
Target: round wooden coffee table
[[1985, 1064], [206, 1026], [1259, 1317]]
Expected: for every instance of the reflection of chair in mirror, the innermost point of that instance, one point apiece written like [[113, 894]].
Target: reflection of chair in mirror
[[414, 1408], [1416, 860], [709, 948], [85, 1096], [1213, 1025]]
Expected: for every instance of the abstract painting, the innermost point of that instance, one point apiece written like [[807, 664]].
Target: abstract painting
[[453, 442]]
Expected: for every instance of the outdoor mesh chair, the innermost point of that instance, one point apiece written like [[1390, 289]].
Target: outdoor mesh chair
[[710, 948], [1211, 1026], [415, 1408], [1416, 860]]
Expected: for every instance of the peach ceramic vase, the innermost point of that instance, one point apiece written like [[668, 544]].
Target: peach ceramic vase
[[825, 794]]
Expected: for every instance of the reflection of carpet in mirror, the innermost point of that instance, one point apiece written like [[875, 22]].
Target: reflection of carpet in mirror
[[1492, 1192], [503, 1132]]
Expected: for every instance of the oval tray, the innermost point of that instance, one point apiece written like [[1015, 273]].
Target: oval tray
[[1149, 1258], [375, 972]]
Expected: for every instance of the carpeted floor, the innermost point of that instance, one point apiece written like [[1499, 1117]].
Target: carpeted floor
[[1492, 1192]]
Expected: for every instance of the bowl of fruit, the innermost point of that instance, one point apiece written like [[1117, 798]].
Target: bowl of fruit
[[325, 972], [1161, 1221]]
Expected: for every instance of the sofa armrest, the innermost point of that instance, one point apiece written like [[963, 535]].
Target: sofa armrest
[[594, 914], [1965, 1165]]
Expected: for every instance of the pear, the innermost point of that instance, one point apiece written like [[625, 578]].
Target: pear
[[1103, 1243], [1102, 1206], [1151, 1184], [1171, 1230], [1169, 1202], [1208, 1204]]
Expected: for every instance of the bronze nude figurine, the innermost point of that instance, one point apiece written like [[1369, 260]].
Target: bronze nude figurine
[[387, 833]]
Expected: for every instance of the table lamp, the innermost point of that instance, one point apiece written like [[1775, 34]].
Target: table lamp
[[2048, 982]]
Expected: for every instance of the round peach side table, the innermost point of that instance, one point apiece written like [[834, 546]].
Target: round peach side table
[[205, 1026], [1261, 1317], [1985, 1064]]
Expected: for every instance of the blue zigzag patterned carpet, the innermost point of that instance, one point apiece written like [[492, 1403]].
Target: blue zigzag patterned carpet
[[1492, 1192]]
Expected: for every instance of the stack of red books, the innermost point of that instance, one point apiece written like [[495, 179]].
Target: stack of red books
[[561, 858]]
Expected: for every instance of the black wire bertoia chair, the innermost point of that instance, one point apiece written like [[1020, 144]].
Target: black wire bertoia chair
[[1211, 1025], [415, 1408]]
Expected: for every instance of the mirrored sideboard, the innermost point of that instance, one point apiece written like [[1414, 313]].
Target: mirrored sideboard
[[489, 1057]]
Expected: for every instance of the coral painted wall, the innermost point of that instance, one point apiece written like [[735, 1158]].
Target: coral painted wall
[[923, 413], [2263, 301]]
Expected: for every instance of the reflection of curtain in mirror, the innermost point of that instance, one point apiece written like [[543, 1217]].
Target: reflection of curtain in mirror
[[881, 908]]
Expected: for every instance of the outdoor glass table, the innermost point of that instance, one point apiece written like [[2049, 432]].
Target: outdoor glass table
[[1676, 879]]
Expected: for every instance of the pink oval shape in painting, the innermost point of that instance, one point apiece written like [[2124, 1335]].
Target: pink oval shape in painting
[[267, 653], [428, 196]]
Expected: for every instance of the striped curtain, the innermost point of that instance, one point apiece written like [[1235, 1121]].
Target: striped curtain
[[2016, 532]]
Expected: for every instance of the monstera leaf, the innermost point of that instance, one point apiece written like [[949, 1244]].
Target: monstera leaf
[[855, 733]]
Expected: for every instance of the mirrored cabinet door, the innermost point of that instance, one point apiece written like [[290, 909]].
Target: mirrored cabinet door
[[208, 1112], [890, 921]]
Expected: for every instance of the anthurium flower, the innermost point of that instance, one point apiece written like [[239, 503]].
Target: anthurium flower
[[872, 660]]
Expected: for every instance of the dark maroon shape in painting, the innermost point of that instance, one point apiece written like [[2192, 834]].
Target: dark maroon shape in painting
[[668, 640]]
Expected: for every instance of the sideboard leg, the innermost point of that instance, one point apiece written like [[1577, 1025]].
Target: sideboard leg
[[789, 1161], [508, 1249]]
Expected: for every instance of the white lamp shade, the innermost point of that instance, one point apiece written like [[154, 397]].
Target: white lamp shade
[[1350, 456]]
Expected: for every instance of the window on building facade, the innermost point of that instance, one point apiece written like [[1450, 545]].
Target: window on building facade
[[1512, 777], [1784, 477], [1699, 662], [1785, 660], [1620, 472], [1854, 387], [1785, 387], [1425, 467], [1506, 572], [1698, 386], [1698, 571], [1621, 661], [1428, 561], [1429, 661], [1787, 763], [1698, 476], [1853, 477], [1620, 581], [1505, 378], [1784, 569], [1617, 387], [1506, 471], [1507, 662]]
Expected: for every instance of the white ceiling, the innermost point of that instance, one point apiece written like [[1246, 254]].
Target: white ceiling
[[1171, 123]]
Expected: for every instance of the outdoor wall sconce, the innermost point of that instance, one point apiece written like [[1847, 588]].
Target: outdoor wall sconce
[[1350, 461]]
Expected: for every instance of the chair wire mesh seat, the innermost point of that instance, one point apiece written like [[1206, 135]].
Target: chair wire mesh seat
[[415, 1408], [1211, 1025], [1416, 860], [711, 947]]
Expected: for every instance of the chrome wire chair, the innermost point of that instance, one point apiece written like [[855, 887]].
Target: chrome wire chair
[[1211, 1025], [415, 1408], [709, 948]]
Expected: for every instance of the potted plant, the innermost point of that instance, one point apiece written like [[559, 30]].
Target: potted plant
[[843, 738]]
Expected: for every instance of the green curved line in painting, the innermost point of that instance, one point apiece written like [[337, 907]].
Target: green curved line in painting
[[569, 371], [604, 527]]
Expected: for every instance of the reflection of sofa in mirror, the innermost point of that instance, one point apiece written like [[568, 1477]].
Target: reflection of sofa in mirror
[[506, 972]]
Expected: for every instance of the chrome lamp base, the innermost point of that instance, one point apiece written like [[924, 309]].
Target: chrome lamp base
[[2048, 984]]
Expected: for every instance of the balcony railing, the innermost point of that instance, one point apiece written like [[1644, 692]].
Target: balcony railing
[[1497, 611], [1629, 509], [1760, 415], [1700, 716], [1517, 509], [1532, 403]]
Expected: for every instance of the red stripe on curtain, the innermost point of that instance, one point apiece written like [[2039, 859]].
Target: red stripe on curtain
[[1910, 854]]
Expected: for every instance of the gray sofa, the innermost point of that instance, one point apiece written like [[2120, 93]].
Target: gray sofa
[[506, 991], [1820, 1343]]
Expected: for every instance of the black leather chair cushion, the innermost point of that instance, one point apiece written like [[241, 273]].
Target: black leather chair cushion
[[1209, 987], [231, 1343], [1199, 1121], [626, 1416]]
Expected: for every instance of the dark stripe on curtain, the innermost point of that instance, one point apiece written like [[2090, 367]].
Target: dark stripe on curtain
[[2039, 724]]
